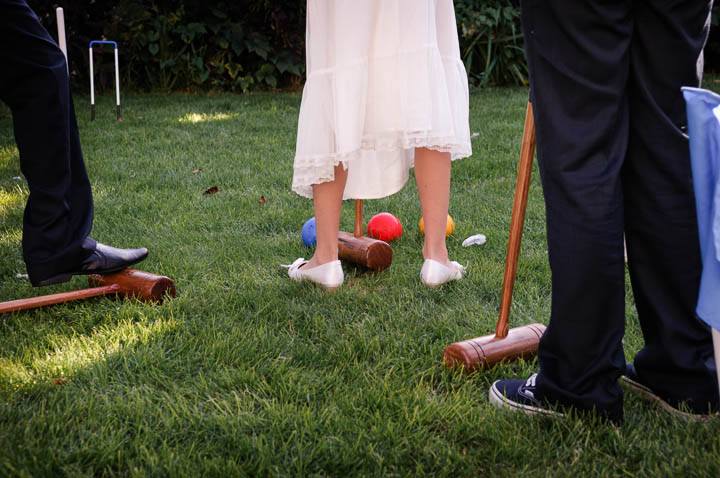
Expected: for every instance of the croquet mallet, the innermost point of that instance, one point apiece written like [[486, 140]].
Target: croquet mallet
[[127, 283], [520, 342], [364, 251]]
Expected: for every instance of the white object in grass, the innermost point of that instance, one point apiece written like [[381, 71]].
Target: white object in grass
[[476, 240]]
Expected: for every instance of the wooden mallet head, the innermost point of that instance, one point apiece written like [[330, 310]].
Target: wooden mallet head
[[484, 352], [137, 284], [364, 251]]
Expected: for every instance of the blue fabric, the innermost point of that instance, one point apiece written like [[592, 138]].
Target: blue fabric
[[703, 111]]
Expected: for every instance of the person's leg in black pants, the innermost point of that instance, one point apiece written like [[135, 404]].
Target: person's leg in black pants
[[34, 84], [605, 80], [660, 220], [59, 212], [579, 54]]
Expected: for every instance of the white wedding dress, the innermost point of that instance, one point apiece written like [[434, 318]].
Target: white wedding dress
[[383, 78]]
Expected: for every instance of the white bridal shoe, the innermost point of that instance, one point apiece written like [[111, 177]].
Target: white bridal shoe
[[329, 275], [435, 274]]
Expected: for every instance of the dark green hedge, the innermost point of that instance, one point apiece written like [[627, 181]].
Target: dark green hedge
[[191, 44], [246, 45]]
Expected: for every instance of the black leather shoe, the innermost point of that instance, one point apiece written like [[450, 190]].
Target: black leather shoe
[[103, 260]]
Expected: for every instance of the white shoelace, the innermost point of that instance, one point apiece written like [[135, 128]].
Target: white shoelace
[[530, 383]]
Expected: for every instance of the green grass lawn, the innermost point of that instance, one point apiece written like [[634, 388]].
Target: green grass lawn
[[248, 373]]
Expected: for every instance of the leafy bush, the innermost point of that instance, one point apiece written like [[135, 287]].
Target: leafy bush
[[171, 45], [244, 45], [216, 47], [491, 42], [249, 44]]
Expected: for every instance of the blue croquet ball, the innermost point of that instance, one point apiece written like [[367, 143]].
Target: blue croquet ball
[[308, 233]]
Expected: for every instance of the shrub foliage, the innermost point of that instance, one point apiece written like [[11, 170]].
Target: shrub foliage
[[192, 44], [241, 45], [491, 42]]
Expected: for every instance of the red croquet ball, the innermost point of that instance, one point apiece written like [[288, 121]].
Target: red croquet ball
[[384, 226]]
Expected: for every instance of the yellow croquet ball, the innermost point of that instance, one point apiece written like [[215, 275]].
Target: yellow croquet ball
[[449, 228]]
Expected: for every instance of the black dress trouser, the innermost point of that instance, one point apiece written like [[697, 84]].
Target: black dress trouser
[[614, 159], [34, 84]]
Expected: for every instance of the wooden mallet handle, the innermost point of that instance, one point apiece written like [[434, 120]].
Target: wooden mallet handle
[[358, 229], [517, 221], [54, 299]]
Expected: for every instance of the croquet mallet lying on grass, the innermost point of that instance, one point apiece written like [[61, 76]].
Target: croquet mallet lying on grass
[[126, 283]]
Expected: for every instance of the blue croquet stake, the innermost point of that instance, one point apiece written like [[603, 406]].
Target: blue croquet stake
[[308, 233], [117, 78]]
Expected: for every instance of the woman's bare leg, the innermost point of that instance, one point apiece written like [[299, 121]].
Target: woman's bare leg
[[432, 173], [327, 198]]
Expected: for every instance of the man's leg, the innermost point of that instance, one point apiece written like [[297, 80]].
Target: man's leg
[[662, 236], [34, 84], [578, 54]]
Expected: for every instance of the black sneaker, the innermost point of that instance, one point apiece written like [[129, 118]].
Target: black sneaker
[[678, 408], [519, 396]]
